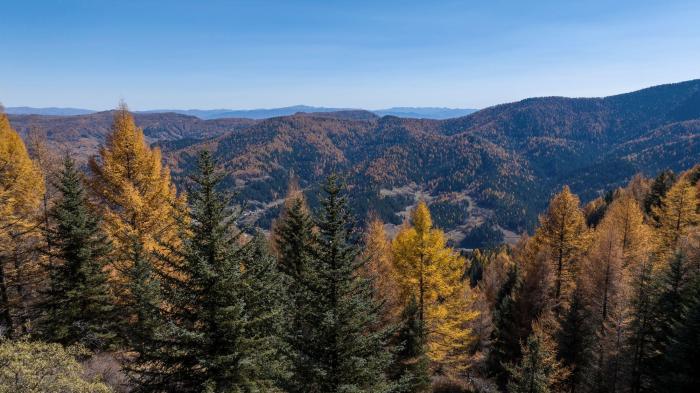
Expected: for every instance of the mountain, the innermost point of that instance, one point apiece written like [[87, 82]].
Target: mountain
[[424, 113], [25, 110], [209, 114], [495, 168], [499, 165], [82, 134]]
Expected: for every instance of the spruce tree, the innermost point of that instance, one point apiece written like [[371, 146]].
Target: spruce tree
[[680, 371], [538, 371], [222, 318], [78, 307], [575, 338], [410, 367], [505, 345], [335, 346], [662, 183]]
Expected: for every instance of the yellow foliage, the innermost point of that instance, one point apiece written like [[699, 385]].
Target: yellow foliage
[[21, 182], [379, 267], [432, 273], [564, 235], [136, 196], [677, 215]]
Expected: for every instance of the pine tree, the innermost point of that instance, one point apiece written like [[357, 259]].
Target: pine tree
[[432, 272], [222, 321], [538, 371], [661, 184], [680, 370], [332, 335], [410, 367], [575, 340], [78, 307], [642, 325], [564, 233], [674, 290], [505, 337], [21, 192]]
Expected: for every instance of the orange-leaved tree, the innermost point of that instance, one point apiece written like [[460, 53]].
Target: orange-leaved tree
[[431, 272]]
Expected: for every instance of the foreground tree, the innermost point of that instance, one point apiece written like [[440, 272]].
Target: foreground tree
[[221, 327], [78, 307], [21, 192], [410, 367], [432, 273], [334, 341], [135, 195], [564, 235]]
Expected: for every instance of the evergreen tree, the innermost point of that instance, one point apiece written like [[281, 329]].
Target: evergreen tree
[[410, 367], [661, 184], [78, 307], [222, 320], [505, 337], [538, 371], [574, 340], [335, 346], [681, 370]]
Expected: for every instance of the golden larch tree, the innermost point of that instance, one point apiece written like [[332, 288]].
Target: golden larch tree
[[564, 235], [21, 193], [432, 273], [137, 199], [677, 215], [379, 267]]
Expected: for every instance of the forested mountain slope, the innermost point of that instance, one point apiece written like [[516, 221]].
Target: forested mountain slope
[[497, 165]]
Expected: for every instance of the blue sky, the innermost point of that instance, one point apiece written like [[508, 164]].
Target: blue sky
[[369, 54]]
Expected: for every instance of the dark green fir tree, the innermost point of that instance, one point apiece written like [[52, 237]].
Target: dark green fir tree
[[78, 306]]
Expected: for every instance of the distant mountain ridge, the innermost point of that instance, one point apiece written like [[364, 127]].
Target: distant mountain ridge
[[208, 114], [496, 167]]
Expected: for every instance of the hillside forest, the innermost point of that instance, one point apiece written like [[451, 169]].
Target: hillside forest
[[114, 279]]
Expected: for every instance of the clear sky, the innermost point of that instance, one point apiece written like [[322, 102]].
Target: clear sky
[[369, 54]]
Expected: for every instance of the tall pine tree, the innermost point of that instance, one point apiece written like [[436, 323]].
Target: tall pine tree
[[222, 317], [334, 341], [78, 306]]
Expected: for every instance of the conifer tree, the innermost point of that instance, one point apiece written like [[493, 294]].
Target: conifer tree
[[564, 233], [575, 339], [642, 324], [432, 272], [677, 215], [335, 346], [135, 195], [657, 191], [505, 337], [605, 282], [21, 192], [410, 367], [538, 371], [680, 370], [379, 268], [221, 325], [78, 307]]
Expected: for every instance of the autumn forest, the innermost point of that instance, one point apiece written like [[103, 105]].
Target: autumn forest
[[114, 279]]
